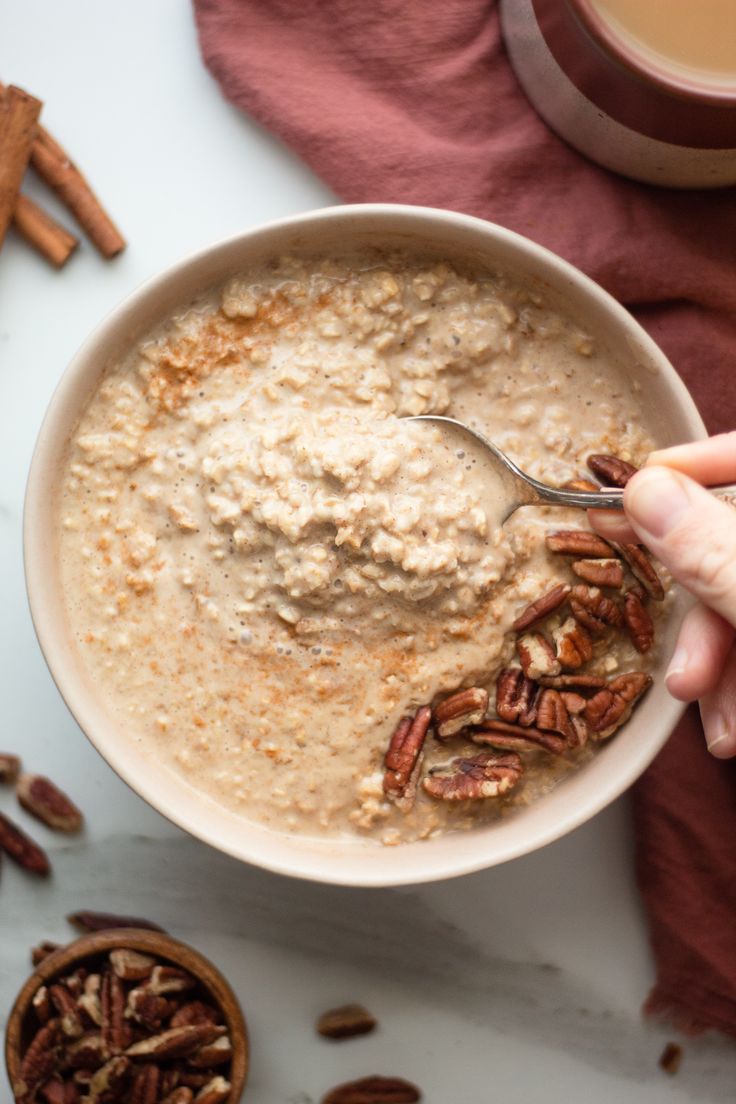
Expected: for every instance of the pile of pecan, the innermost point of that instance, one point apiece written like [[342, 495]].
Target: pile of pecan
[[43, 800], [126, 1028], [555, 701]]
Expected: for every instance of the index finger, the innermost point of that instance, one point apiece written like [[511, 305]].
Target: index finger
[[710, 461]]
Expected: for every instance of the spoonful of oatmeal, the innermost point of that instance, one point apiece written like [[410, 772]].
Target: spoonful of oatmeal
[[508, 485]]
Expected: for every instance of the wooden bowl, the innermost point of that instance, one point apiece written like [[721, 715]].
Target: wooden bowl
[[161, 946]]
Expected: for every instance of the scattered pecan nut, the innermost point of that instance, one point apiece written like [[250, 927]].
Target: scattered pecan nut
[[374, 1090], [638, 622], [211, 1055], [41, 1004], [22, 849], [9, 767], [541, 607], [66, 1007], [642, 569], [510, 737], [537, 656], [346, 1022], [145, 1085], [481, 776], [594, 610], [670, 1059], [466, 707], [42, 799], [404, 751], [608, 573], [611, 707], [516, 697], [90, 921], [578, 543], [611, 470], [39, 1061], [573, 646]]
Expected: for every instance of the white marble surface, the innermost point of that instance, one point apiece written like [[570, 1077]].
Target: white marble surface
[[521, 983]]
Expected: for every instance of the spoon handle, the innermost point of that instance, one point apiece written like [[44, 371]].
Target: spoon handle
[[610, 498]]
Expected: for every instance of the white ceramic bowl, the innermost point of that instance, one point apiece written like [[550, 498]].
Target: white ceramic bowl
[[347, 861]]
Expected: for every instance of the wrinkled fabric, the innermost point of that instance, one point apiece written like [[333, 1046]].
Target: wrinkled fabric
[[415, 102]]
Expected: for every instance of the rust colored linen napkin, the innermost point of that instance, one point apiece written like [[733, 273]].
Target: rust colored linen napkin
[[416, 103]]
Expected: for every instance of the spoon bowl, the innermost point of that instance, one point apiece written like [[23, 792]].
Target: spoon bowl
[[508, 487]]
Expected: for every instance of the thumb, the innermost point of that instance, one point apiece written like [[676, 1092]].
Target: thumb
[[690, 531]]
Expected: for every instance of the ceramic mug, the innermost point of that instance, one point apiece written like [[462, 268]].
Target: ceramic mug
[[617, 104]]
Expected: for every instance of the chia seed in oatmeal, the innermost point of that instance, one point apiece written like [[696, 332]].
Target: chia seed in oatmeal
[[265, 569]]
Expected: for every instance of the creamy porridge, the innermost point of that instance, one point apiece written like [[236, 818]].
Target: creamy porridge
[[266, 569]]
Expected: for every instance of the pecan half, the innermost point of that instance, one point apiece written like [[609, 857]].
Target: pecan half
[[553, 715], [374, 1090], [404, 751], [216, 1091], [43, 950], [638, 622], [537, 656], [516, 696], [642, 569], [608, 573], [541, 607], [115, 1031], [107, 1080], [194, 1012], [611, 707], [170, 979], [670, 1059], [572, 644], [41, 1004], [148, 1009], [176, 1042], [346, 1022], [212, 1054], [578, 542], [131, 965], [88, 1053], [509, 737], [580, 485], [89, 921], [66, 1006], [42, 799], [611, 470], [89, 1001], [594, 610], [39, 1060], [180, 1095], [484, 775], [575, 679], [466, 707], [22, 849], [9, 767], [145, 1085]]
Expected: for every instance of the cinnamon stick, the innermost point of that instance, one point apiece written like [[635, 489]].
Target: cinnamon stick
[[52, 240], [18, 114], [53, 163]]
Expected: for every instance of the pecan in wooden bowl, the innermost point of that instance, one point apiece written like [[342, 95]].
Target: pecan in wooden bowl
[[126, 1017]]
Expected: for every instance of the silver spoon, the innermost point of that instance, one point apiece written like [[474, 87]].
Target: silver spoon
[[519, 489]]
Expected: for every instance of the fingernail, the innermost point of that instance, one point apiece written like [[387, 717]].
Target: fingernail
[[678, 663], [719, 745], [656, 500]]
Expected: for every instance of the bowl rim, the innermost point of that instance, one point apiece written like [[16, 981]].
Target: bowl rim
[[156, 943], [314, 864]]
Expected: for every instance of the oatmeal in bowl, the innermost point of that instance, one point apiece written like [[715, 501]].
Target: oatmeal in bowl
[[292, 617]]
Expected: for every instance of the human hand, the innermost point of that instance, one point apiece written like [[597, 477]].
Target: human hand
[[694, 536]]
